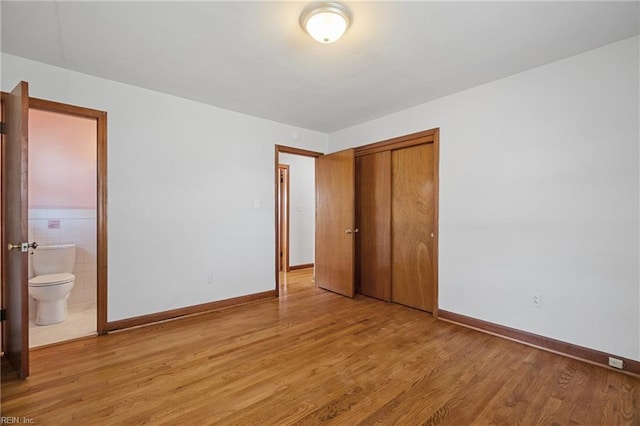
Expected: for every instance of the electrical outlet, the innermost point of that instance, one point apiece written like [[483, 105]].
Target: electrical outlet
[[536, 301], [616, 363]]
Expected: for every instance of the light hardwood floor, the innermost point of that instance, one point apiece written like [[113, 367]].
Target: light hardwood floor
[[314, 357]]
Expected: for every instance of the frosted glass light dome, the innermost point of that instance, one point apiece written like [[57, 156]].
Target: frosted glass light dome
[[325, 22]]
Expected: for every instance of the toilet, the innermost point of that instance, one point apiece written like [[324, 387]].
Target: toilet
[[52, 281]]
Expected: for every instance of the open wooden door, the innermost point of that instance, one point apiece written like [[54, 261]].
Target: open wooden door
[[283, 216], [335, 218], [14, 231]]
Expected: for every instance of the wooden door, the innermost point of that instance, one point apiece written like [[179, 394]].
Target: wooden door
[[14, 203], [373, 219], [283, 213], [413, 227], [335, 217]]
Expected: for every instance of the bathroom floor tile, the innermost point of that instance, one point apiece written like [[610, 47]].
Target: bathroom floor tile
[[81, 322]]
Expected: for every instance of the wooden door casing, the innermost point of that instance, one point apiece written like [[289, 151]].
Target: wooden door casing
[[413, 226], [335, 218], [373, 213], [15, 228], [101, 189], [284, 150]]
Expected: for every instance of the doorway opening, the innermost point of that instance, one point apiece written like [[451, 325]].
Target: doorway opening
[[62, 216], [294, 210], [88, 226]]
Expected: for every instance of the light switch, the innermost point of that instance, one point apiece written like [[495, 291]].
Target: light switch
[[256, 203]]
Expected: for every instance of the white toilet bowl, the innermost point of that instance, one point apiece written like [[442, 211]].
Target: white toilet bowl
[[53, 281], [51, 292]]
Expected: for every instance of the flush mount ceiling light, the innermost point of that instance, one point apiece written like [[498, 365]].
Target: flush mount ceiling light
[[326, 21]]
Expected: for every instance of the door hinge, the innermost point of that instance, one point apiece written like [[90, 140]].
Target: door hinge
[[3, 128], [3, 314]]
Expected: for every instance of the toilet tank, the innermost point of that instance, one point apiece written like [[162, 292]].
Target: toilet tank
[[54, 259]]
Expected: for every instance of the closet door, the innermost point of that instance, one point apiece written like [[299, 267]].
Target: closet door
[[412, 226], [373, 213]]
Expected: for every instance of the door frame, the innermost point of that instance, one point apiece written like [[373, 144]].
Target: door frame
[[285, 150], [101, 193]]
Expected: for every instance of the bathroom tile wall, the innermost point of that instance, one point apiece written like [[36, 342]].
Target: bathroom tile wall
[[70, 226]]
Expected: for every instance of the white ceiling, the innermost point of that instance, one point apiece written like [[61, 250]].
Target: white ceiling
[[253, 57]]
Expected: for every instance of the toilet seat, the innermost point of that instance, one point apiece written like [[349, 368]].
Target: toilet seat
[[52, 279]]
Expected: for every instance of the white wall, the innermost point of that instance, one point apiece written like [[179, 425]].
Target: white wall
[[539, 193], [183, 179], [302, 208]]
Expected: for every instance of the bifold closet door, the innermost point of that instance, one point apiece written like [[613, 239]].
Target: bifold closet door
[[412, 226], [373, 212]]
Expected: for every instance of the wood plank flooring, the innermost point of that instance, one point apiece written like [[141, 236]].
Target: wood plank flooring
[[314, 357]]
